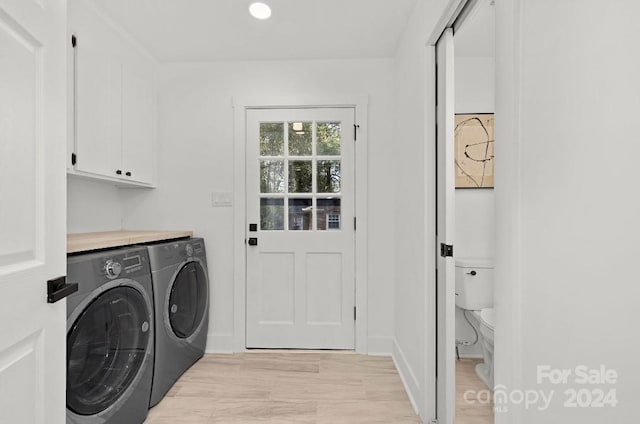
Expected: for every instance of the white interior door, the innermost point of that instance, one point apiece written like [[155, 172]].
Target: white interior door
[[32, 209], [445, 229], [300, 228]]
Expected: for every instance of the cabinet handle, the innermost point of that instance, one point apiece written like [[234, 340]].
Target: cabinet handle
[[128, 173], [119, 172]]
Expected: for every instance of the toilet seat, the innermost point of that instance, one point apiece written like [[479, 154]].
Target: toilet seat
[[484, 370], [487, 324], [487, 317]]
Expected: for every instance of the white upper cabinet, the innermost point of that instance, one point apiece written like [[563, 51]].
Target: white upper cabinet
[[114, 102], [98, 111], [137, 126]]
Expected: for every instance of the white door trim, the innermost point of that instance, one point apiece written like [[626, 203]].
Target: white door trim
[[449, 16], [240, 105], [430, 301], [429, 393]]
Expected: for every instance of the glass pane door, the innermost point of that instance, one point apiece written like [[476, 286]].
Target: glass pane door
[[300, 172]]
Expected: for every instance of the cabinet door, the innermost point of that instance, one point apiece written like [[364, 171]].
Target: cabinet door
[[137, 126], [98, 110]]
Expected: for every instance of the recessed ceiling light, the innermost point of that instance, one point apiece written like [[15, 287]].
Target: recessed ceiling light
[[260, 10]]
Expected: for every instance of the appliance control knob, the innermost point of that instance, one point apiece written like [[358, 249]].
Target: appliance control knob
[[189, 250], [112, 269]]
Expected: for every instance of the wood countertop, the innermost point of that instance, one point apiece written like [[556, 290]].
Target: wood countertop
[[82, 242]]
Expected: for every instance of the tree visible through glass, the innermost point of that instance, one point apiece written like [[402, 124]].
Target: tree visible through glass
[[290, 165]]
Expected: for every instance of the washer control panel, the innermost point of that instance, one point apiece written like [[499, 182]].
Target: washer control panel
[[112, 269]]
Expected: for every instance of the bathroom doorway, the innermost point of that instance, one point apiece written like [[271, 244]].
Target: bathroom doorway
[[465, 213]]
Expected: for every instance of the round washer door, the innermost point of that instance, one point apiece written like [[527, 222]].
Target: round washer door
[[188, 300], [106, 347]]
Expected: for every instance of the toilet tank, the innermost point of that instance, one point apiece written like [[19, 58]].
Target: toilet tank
[[474, 283]]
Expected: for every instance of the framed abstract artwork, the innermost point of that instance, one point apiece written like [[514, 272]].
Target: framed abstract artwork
[[474, 157]]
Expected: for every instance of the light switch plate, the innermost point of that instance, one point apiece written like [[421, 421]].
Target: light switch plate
[[221, 199]]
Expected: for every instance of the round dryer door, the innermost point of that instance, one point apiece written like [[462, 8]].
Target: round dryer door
[[188, 300], [106, 347]]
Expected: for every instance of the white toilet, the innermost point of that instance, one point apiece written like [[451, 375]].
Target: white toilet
[[474, 292]]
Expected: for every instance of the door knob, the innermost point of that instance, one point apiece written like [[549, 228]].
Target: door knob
[[253, 241], [59, 289]]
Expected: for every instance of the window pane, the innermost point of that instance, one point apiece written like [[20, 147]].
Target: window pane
[[300, 138], [271, 214], [300, 176], [271, 176], [328, 180], [328, 138], [329, 217], [300, 214], [271, 139]]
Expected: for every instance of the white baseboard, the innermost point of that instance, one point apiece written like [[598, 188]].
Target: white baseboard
[[223, 343], [380, 346], [219, 343], [409, 380], [470, 355], [470, 351]]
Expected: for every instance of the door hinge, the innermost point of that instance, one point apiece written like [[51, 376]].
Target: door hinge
[[354, 313], [446, 250], [74, 41], [356, 127], [355, 224], [74, 159]]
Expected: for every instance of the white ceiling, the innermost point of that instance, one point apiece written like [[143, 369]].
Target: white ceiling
[[209, 30], [476, 35]]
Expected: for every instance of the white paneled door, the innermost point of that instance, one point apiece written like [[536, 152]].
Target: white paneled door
[[32, 209], [300, 228], [445, 229]]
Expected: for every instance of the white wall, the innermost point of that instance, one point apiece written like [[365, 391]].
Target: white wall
[[92, 206], [196, 147], [567, 206], [413, 200], [475, 208]]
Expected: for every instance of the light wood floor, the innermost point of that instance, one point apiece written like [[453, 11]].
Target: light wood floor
[[467, 379], [287, 387]]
